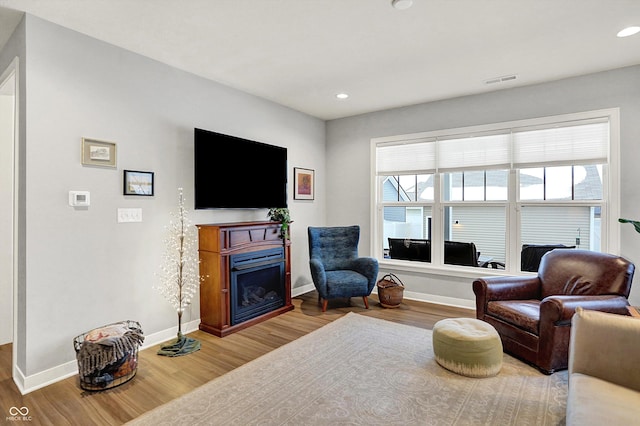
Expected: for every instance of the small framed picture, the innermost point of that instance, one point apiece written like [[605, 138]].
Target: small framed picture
[[303, 184], [138, 183], [98, 153]]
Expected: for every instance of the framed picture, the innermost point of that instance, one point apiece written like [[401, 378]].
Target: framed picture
[[98, 153], [138, 183], [303, 184]]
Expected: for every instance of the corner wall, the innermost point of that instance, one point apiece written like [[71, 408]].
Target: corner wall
[[349, 139]]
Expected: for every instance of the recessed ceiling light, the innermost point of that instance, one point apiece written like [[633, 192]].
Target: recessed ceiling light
[[342, 96], [401, 4], [629, 31]]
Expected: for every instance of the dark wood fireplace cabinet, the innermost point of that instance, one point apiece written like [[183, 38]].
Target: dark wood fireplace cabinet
[[247, 275]]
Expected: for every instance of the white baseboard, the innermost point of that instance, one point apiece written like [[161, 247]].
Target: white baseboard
[[411, 295], [297, 291], [440, 300], [168, 334], [52, 375], [44, 378]]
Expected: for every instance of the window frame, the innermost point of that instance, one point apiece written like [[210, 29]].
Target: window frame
[[610, 203]]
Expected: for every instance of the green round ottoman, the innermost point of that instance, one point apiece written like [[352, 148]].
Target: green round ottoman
[[467, 346]]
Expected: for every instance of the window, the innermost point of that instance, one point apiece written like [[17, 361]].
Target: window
[[479, 196], [561, 183], [485, 185]]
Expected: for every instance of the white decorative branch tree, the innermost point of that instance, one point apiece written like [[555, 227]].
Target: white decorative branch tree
[[180, 275]]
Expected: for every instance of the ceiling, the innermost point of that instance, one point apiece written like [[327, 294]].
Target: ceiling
[[301, 53]]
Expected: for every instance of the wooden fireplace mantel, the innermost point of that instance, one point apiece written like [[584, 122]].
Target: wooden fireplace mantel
[[217, 242]]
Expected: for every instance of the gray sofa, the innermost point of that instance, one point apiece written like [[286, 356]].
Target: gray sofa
[[604, 371]]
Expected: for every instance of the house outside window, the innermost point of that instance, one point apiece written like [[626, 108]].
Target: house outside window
[[505, 191]]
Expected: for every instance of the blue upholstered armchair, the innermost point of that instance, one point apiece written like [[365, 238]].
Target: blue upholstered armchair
[[336, 269]]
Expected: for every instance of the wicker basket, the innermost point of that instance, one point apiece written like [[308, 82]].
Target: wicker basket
[[390, 290], [117, 372]]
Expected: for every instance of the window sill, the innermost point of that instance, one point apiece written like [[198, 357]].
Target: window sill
[[444, 270]]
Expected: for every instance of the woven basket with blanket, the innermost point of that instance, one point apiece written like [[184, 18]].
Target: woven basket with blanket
[[108, 356]]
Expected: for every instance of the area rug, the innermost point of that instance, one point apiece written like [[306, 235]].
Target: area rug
[[360, 370]]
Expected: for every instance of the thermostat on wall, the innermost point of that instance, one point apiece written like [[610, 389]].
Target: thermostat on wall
[[79, 198]]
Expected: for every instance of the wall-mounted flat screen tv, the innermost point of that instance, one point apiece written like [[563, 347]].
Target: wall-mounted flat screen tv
[[231, 172]]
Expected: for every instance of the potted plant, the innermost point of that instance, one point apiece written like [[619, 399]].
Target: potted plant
[[281, 214]]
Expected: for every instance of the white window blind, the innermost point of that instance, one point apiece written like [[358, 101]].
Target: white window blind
[[474, 152], [578, 142], [584, 143], [410, 157]]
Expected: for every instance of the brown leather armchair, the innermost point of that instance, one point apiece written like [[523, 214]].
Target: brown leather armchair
[[533, 314]]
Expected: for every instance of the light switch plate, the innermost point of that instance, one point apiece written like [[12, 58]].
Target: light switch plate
[[129, 215]]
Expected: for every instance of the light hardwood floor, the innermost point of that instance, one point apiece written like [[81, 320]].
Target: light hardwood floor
[[161, 379]]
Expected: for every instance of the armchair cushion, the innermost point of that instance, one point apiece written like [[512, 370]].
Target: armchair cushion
[[347, 284], [620, 335], [336, 247], [604, 385], [524, 314], [583, 272], [593, 401]]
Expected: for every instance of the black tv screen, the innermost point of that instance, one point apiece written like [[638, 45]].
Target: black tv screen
[[232, 172]]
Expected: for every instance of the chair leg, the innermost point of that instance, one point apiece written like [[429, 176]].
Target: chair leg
[[366, 301], [324, 305]]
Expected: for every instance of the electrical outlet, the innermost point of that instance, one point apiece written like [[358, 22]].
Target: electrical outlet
[[577, 241], [129, 215]]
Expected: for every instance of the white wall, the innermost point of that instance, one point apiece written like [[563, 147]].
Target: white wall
[[83, 269], [348, 152]]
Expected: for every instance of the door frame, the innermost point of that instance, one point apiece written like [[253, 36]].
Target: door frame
[[12, 72]]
